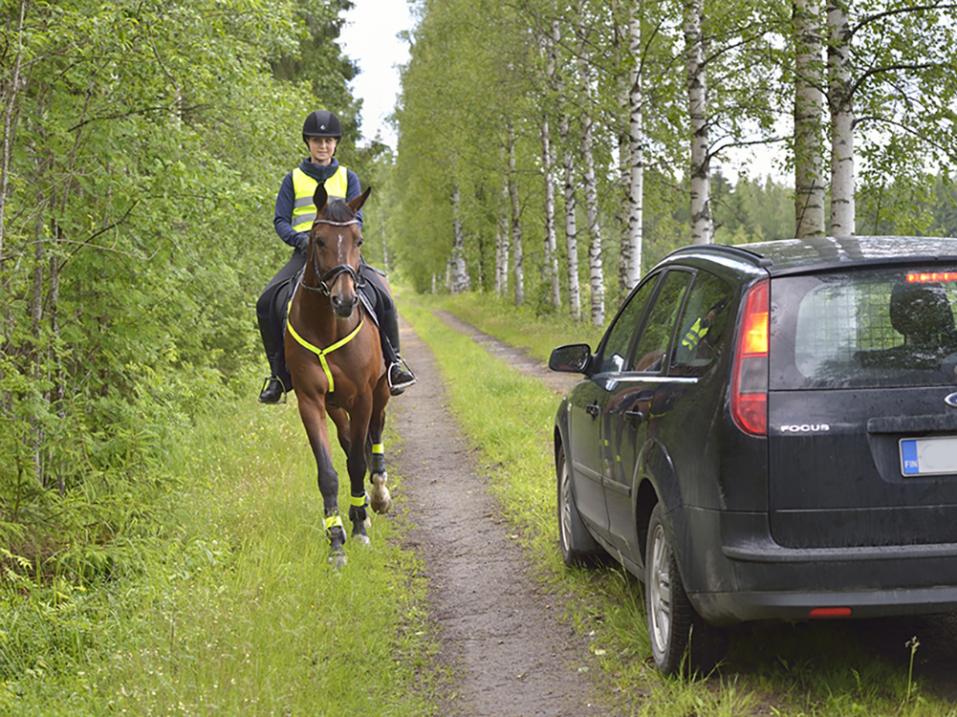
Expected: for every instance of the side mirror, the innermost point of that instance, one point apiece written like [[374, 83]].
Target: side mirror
[[573, 358]]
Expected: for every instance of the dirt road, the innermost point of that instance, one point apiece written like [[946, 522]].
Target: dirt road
[[509, 654]]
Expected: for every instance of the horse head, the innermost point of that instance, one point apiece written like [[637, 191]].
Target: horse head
[[334, 243]]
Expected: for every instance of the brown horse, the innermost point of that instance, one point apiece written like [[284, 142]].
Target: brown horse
[[335, 359]]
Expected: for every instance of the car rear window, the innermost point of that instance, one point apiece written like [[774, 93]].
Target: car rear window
[[864, 328]]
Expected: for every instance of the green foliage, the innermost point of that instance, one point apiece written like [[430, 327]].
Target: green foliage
[[146, 143], [220, 599]]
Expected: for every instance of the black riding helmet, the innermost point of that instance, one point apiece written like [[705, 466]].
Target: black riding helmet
[[321, 123]]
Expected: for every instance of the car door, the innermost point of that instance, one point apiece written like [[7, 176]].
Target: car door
[[636, 397], [586, 404]]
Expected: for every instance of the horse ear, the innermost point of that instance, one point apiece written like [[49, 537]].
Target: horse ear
[[319, 198], [356, 204]]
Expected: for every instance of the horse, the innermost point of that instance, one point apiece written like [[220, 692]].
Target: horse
[[335, 359]]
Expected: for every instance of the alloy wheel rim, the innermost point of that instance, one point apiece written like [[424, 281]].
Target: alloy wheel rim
[[566, 507], [659, 589]]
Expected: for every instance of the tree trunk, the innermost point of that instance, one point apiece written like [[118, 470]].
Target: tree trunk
[[460, 276], [36, 327], [595, 273], [842, 120], [808, 120], [9, 129], [634, 150], [551, 241], [702, 224], [501, 244], [548, 162], [519, 268], [568, 177]]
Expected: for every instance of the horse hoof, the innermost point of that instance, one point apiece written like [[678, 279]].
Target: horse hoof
[[379, 497], [361, 539], [338, 560]]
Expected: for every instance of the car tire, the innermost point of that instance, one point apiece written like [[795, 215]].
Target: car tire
[[578, 547], [673, 624]]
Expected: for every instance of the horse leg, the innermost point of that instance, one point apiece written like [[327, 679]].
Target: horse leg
[[379, 496], [341, 418], [312, 410], [357, 464]]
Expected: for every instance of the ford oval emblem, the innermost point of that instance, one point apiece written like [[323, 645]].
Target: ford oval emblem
[[951, 400]]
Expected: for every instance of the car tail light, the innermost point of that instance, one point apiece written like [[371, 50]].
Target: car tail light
[[749, 387], [829, 612]]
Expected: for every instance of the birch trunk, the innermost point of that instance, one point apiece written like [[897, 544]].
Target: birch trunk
[[568, 176], [702, 225], [519, 268], [460, 276], [501, 245], [842, 120], [36, 319], [595, 274], [808, 120], [551, 241], [548, 162], [634, 151], [9, 127]]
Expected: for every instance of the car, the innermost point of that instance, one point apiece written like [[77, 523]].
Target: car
[[769, 431]]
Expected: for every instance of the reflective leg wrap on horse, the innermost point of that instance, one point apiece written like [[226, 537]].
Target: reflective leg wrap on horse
[[359, 517], [378, 458]]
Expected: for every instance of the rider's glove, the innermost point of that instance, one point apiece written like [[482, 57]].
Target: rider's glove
[[302, 241]]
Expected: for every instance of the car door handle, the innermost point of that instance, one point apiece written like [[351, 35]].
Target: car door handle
[[592, 410], [635, 415]]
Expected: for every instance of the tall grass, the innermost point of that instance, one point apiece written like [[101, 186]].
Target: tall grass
[[225, 603], [778, 669]]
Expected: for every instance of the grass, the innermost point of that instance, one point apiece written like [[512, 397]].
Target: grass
[[226, 604], [780, 669], [518, 326]]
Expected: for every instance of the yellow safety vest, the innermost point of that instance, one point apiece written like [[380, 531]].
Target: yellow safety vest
[[304, 187], [697, 332]]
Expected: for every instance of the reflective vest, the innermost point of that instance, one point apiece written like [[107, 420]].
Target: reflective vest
[[304, 187], [697, 332]]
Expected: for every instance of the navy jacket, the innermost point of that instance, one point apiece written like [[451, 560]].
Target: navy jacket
[[286, 198]]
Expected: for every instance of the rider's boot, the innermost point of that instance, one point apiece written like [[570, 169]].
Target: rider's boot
[[360, 519], [400, 376], [272, 390]]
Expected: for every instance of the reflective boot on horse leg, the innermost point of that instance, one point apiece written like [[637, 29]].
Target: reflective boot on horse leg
[[380, 497], [313, 416], [357, 466], [399, 373]]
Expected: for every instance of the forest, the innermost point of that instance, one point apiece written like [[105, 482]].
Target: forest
[[550, 151]]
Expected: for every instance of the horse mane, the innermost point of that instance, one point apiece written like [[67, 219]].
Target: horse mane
[[338, 211]]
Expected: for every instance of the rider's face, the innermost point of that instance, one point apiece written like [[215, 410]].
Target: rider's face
[[321, 149]]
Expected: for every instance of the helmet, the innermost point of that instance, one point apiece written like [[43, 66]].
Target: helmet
[[321, 123]]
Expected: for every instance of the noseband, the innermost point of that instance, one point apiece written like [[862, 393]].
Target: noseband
[[327, 279]]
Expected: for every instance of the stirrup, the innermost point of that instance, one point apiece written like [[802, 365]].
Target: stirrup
[[285, 390], [396, 388]]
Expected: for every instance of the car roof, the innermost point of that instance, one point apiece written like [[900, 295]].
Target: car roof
[[799, 256]]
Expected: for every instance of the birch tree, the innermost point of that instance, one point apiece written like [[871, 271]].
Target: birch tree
[[840, 100], [808, 119], [702, 226]]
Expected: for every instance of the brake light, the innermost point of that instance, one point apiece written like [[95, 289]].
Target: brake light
[[829, 612], [931, 277], [749, 386]]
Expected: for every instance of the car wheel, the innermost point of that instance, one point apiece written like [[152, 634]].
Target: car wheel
[[673, 625], [577, 544]]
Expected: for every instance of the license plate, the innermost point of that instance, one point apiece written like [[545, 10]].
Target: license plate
[[928, 456]]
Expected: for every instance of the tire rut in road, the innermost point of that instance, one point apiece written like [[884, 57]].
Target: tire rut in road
[[515, 357], [500, 630]]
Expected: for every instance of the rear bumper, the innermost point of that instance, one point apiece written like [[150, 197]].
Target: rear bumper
[[739, 573]]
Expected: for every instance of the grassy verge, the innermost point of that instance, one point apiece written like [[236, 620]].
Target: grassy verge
[[518, 326], [225, 603], [811, 670]]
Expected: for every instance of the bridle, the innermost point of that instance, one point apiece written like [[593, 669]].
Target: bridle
[[327, 279]]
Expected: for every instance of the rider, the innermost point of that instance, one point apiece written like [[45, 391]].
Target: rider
[[295, 212]]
